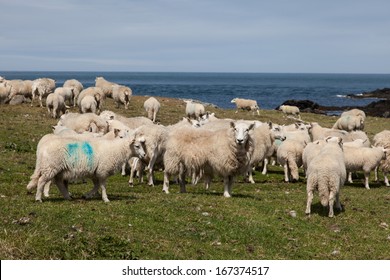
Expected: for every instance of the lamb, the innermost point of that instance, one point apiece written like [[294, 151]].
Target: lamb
[[382, 139], [226, 152], [289, 155], [42, 87], [326, 173], [246, 104], [121, 94], [77, 87], [66, 158], [67, 93], [84, 122], [194, 110], [290, 110], [152, 106], [55, 105], [105, 85], [349, 123], [365, 159]]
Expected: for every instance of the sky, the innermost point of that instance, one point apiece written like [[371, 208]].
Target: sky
[[272, 36]]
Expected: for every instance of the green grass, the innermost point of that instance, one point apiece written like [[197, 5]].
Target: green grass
[[144, 223]]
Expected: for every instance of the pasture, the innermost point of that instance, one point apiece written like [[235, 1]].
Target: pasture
[[265, 220]]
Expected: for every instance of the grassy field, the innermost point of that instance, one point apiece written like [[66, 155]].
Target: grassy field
[[144, 223]]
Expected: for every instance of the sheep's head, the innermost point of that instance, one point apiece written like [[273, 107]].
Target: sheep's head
[[241, 131]]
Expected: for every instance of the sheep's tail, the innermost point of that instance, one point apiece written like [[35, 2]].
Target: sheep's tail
[[33, 181], [293, 168], [324, 195]]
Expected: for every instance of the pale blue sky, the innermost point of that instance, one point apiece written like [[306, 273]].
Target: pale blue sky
[[311, 36]]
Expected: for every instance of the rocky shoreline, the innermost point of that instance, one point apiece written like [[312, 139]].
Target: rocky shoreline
[[380, 108]]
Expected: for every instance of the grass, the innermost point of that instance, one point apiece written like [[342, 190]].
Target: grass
[[144, 223]]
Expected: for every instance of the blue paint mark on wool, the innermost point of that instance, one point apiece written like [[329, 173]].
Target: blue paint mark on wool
[[88, 152], [80, 151]]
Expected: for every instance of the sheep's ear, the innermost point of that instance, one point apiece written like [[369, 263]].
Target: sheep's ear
[[340, 141], [188, 119], [53, 127], [328, 138], [252, 126], [232, 125], [270, 125]]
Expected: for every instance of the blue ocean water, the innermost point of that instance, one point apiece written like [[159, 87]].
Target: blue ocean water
[[269, 89]]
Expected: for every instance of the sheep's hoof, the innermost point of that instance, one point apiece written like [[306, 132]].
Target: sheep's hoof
[[38, 200]]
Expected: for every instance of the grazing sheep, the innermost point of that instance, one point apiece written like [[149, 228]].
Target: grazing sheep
[[84, 122], [65, 158], [105, 85], [89, 104], [354, 112], [382, 139], [5, 91], [20, 87], [194, 110], [290, 110], [96, 93], [42, 87], [121, 94], [225, 152], [349, 123], [246, 104], [67, 93], [326, 173], [363, 159], [132, 123], [77, 87], [318, 132], [289, 155], [55, 105], [152, 106]]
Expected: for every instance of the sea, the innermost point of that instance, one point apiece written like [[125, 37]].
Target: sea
[[269, 89]]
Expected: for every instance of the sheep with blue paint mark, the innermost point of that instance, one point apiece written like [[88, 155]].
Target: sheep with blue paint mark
[[67, 158]]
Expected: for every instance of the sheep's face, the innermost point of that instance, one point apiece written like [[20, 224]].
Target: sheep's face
[[138, 147], [241, 131]]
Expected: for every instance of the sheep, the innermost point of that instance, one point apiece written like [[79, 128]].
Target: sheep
[[152, 106], [105, 85], [67, 93], [77, 87], [42, 87], [136, 168], [5, 91], [55, 105], [225, 152], [121, 94], [289, 155], [89, 104], [246, 104], [363, 159], [290, 110], [354, 112], [84, 122], [19, 87], [96, 93], [132, 123], [194, 110], [349, 123], [326, 173], [382, 139]]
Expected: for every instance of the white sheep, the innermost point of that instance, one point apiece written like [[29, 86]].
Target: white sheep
[[349, 123], [5, 91], [121, 95], [382, 139], [225, 152], [77, 87], [290, 110], [42, 87], [194, 110], [326, 173], [96, 93], [89, 104], [132, 123], [289, 155], [105, 85], [67, 93], [65, 158], [152, 106], [246, 104], [84, 122], [55, 105], [20, 87], [363, 159], [354, 112]]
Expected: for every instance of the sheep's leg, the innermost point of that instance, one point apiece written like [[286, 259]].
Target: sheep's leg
[[94, 190], [42, 181], [207, 181], [151, 166], [265, 163], [331, 203], [131, 177], [104, 191], [154, 116], [286, 171], [46, 189], [310, 196], [166, 183], [350, 177], [366, 178], [227, 184], [250, 178], [386, 179], [338, 204], [182, 180], [63, 187], [123, 173], [376, 174], [40, 100]]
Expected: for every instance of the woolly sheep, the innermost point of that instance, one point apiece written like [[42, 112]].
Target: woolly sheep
[[225, 152], [105, 85], [152, 106], [194, 110], [89, 104], [289, 155], [55, 105], [326, 173], [354, 112], [96, 93], [77, 87], [67, 93], [5, 91], [20, 87], [382, 139], [246, 104], [121, 95], [132, 123], [290, 110], [84, 122], [363, 159], [66, 158], [349, 123], [42, 87]]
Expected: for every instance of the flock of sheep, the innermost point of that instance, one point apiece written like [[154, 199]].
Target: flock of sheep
[[96, 143]]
